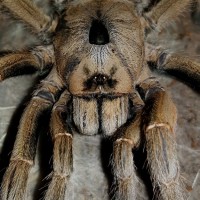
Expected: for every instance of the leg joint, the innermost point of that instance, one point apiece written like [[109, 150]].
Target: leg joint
[[62, 176], [126, 140], [162, 60], [45, 95], [158, 125], [63, 135], [59, 108], [29, 162]]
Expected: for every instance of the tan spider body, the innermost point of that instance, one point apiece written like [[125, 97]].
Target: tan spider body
[[97, 58]]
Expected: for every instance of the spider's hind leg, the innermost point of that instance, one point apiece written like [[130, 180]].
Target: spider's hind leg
[[41, 58], [31, 15], [176, 65]]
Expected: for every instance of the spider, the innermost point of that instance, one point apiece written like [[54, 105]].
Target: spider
[[99, 82]]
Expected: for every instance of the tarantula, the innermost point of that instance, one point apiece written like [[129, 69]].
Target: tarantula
[[99, 82]]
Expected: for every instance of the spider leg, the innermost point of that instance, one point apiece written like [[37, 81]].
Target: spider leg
[[30, 14], [62, 152], [164, 12], [179, 66], [17, 63], [159, 120], [125, 178], [22, 158]]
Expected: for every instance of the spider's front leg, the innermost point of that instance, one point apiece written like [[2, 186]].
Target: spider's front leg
[[159, 121], [15, 179], [128, 138], [62, 152]]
